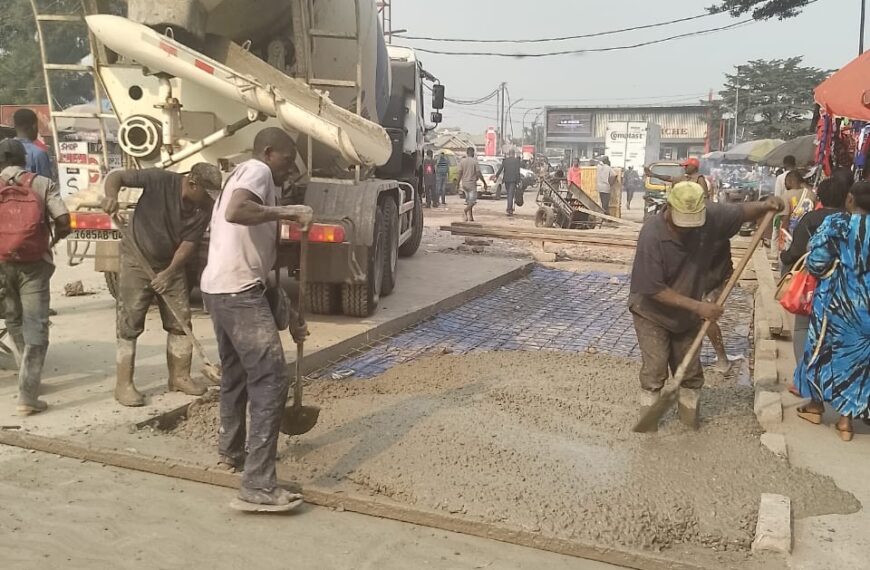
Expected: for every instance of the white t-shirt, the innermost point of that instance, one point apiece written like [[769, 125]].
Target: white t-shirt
[[779, 188], [603, 173], [240, 257]]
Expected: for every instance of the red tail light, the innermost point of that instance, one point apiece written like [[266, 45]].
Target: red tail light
[[90, 221], [317, 233]]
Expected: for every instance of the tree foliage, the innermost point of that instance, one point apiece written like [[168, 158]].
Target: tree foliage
[[20, 63], [776, 97], [761, 9]]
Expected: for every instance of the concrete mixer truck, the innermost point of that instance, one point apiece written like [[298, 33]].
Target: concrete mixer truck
[[195, 80]]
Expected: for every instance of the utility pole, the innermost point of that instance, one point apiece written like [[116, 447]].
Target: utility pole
[[863, 18], [737, 105]]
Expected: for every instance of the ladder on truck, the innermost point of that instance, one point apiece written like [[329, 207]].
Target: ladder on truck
[[98, 57], [306, 28]]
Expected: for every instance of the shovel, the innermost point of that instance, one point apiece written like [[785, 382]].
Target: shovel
[[668, 396], [211, 372], [299, 419]]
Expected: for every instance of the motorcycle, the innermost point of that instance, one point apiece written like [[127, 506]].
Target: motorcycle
[[653, 203]]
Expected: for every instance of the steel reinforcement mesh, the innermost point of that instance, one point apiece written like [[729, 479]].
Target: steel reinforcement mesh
[[550, 309]]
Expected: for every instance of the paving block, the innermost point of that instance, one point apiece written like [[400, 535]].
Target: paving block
[[765, 373], [766, 349], [776, 443], [768, 407], [544, 256], [773, 531]]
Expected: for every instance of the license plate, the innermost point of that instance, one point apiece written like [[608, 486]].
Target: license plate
[[96, 235]]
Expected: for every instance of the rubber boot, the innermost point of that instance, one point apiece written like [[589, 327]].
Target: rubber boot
[[179, 354], [29, 379], [125, 392], [687, 406], [647, 399]]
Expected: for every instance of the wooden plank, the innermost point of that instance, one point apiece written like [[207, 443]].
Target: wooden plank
[[377, 507], [627, 223], [536, 237], [767, 294], [614, 233]]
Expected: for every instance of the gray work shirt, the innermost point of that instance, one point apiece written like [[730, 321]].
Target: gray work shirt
[[679, 262], [469, 173], [240, 257]]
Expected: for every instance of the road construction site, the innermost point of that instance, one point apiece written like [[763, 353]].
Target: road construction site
[[488, 401]]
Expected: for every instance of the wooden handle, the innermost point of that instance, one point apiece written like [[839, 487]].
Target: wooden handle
[[300, 346], [726, 291]]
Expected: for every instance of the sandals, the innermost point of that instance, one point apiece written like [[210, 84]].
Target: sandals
[[846, 434], [805, 413]]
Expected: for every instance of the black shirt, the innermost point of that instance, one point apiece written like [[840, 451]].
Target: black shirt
[[161, 220], [809, 224], [680, 262]]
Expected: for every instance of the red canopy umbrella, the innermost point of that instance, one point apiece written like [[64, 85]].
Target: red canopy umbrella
[[847, 92]]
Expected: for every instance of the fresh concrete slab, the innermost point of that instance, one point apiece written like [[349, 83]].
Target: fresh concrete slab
[[80, 368], [768, 407]]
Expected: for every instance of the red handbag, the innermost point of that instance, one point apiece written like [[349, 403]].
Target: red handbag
[[798, 298]]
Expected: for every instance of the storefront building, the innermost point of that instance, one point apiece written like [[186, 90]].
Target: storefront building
[[580, 131]]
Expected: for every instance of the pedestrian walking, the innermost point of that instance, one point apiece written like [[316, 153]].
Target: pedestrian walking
[[429, 180], [442, 175], [671, 271], [469, 174], [834, 367], [575, 174], [242, 251], [633, 184], [27, 133], [510, 167], [167, 226], [29, 203], [832, 194], [605, 178]]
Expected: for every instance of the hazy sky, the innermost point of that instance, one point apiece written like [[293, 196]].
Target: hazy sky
[[826, 35]]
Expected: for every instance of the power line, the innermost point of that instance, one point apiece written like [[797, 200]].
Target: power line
[[556, 39], [581, 51]]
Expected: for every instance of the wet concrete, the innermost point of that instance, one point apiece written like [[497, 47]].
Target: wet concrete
[[542, 442]]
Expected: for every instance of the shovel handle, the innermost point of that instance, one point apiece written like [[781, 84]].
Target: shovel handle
[[300, 346], [726, 291]]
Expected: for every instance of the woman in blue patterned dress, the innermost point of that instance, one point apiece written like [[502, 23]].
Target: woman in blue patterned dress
[[836, 361]]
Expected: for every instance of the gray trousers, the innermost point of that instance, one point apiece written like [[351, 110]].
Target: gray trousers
[[662, 352], [135, 297], [253, 371], [27, 295], [511, 189], [605, 201]]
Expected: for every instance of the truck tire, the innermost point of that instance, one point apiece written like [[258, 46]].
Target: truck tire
[[411, 246], [361, 299], [323, 298], [112, 283], [391, 257]]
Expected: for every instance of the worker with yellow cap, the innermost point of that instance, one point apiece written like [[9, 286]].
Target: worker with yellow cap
[[675, 254]]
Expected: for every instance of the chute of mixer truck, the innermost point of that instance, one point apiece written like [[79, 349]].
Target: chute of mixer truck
[[195, 80]]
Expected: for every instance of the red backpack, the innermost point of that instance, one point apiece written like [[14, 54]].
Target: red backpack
[[23, 229]]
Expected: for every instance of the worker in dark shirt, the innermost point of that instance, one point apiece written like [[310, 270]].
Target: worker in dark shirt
[[167, 225], [671, 272]]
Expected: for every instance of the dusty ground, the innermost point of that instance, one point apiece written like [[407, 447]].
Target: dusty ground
[[542, 442], [61, 513]]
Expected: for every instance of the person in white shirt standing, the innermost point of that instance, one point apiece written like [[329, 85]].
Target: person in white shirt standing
[[790, 163], [242, 251], [606, 176]]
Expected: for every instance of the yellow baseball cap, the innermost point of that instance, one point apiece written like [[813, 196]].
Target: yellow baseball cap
[[687, 203]]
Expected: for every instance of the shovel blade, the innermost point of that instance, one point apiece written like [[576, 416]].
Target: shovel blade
[[650, 420], [298, 420]]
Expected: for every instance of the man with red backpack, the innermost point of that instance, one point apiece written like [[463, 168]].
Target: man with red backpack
[[29, 203]]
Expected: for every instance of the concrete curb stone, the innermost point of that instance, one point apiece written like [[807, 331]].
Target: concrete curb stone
[[773, 530]]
